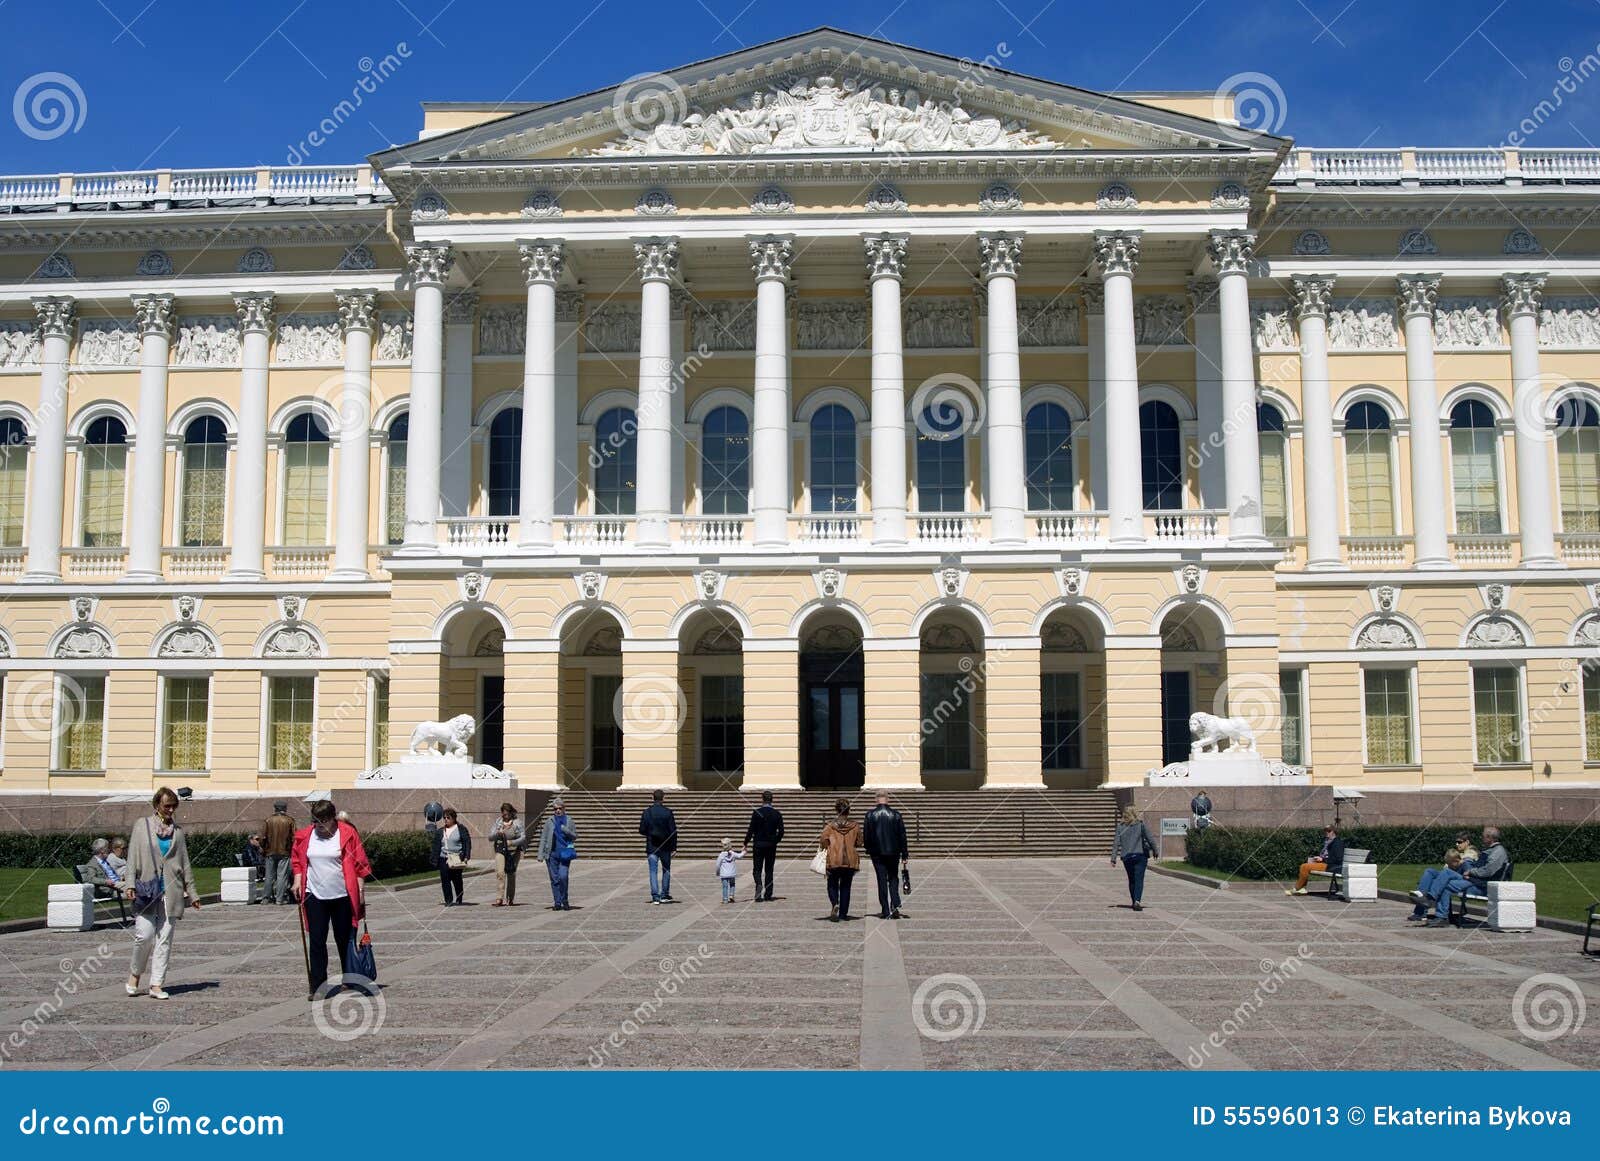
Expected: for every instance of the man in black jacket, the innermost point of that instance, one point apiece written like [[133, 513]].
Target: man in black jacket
[[761, 839], [660, 831], [884, 833]]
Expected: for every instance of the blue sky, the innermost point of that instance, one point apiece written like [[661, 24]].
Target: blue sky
[[166, 83]]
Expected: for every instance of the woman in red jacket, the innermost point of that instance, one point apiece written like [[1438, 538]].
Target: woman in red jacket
[[329, 864]]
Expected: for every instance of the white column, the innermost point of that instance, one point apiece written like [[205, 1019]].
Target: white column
[[1535, 499], [1417, 295], [1312, 294], [658, 268], [1000, 257], [769, 461], [1094, 309], [1208, 392], [154, 315], [47, 477], [569, 312], [1117, 255], [430, 265], [455, 428], [248, 562], [681, 304], [1231, 252], [542, 261], [886, 258], [351, 532]]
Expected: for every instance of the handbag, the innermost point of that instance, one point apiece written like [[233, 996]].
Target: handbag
[[819, 861], [359, 959], [564, 848], [454, 861], [905, 878], [148, 893]]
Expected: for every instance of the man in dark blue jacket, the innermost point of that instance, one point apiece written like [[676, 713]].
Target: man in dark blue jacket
[[660, 831], [761, 839], [884, 834]]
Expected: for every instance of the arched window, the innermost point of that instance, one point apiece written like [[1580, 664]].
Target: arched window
[[505, 463], [616, 463], [1369, 470], [942, 460], [1274, 470], [1475, 467], [13, 481], [105, 470], [725, 463], [833, 460], [204, 498], [1578, 460], [1049, 453], [1161, 448], [394, 481], [305, 481]]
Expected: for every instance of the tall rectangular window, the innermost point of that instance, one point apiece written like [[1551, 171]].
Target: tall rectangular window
[[946, 722], [81, 722], [1475, 479], [1291, 691], [204, 498], [380, 721], [291, 722], [722, 722], [1591, 711], [605, 732], [1061, 720], [394, 487], [13, 481], [1388, 715], [185, 703], [1274, 483], [1497, 714], [104, 484], [1370, 480]]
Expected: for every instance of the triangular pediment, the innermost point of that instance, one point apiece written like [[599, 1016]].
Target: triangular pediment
[[824, 92]]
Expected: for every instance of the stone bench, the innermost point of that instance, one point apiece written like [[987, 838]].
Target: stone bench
[[1356, 880], [69, 907], [238, 885]]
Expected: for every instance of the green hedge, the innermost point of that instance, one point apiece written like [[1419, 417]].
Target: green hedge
[[392, 853], [1263, 853]]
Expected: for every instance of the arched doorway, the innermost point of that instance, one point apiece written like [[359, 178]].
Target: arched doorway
[[472, 680], [950, 679], [1192, 672], [711, 675], [1072, 690], [591, 680], [832, 703]]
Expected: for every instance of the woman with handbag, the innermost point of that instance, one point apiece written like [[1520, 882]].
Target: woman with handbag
[[837, 845], [1134, 847], [160, 884], [557, 849], [330, 867], [509, 839], [452, 851]]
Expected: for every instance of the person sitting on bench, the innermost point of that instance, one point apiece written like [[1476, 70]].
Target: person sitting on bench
[[1431, 885], [1330, 858], [1489, 867]]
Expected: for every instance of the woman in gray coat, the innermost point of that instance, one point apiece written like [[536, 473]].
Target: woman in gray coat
[[509, 838], [1134, 847], [156, 850]]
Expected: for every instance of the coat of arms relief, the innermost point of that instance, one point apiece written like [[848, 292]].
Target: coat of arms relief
[[826, 113]]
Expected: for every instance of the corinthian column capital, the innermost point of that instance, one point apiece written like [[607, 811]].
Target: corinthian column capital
[[999, 255], [429, 263], [886, 255], [1116, 251], [1418, 294], [55, 314], [657, 259], [357, 309], [154, 314], [255, 312], [771, 257], [1230, 251], [1522, 293], [1313, 295], [542, 260]]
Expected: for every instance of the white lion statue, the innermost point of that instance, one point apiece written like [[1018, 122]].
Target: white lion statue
[[450, 737], [1208, 730]]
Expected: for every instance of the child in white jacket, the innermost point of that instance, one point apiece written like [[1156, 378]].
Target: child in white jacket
[[728, 868]]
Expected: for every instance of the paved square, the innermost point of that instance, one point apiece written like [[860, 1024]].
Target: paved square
[[1030, 964]]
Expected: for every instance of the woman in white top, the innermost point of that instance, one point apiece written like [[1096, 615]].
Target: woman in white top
[[330, 866], [452, 851]]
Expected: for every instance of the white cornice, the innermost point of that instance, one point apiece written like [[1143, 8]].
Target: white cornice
[[219, 287]]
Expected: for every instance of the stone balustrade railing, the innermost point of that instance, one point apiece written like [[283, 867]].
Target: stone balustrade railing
[[1308, 168], [1377, 551], [159, 189]]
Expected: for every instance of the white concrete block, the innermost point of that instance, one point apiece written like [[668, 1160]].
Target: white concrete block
[[1516, 916], [234, 891], [1357, 890], [1507, 892], [1361, 871], [238, 874], [69, 892], [69, 916]]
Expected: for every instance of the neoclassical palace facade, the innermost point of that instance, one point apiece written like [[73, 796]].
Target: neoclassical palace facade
[[827, 413]]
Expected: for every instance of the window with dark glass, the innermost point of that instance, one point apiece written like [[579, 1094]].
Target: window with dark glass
[[1161, 453], [616, 463], [505, 463], [725, 463], [1049, 454], [942, 460]]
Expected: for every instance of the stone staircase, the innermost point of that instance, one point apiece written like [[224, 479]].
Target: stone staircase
[[973, 824]]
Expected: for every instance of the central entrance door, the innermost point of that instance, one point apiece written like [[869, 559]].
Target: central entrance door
[[492, 728], [832, 719], [1176, 705]]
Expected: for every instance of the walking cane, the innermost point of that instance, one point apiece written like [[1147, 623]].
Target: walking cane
[[305, 948]]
